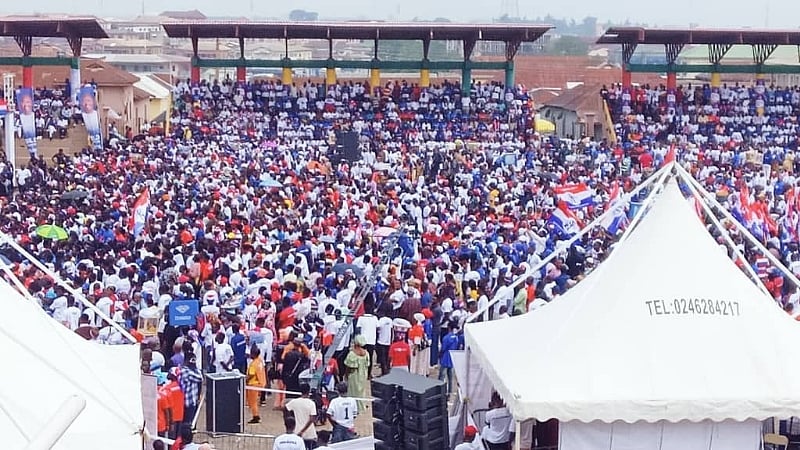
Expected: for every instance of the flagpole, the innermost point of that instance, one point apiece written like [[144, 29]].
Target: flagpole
[[567, 244]]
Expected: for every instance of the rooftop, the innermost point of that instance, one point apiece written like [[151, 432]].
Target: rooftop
[[638, 35], [101, 72], [355, 30], [51, 26]]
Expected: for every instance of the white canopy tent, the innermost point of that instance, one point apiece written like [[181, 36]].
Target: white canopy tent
[[667, 344], [48, 366]]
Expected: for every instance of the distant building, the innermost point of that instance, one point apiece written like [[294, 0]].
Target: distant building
[[184, 15], [577, 113], [177, 66]]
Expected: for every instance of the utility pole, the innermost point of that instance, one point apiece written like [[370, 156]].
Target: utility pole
[[8, 94]]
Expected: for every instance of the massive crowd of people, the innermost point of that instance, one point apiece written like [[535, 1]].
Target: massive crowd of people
[[249, 206]]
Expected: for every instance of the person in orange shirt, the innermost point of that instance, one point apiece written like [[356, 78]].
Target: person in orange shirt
[[164, 412], [256, 377], [175, 400]]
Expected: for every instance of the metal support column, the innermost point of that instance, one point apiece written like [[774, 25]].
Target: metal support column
[[715, 54], [25, 44], [195, 76], [241, 69], [76, 45], [466, 70], [627, 54], [512, 47], [761, 53], [672, 51]]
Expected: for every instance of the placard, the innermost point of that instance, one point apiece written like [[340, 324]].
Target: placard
[[183, 312]]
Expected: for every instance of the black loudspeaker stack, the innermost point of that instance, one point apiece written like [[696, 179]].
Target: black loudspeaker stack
[[225, 403], [410, 412]]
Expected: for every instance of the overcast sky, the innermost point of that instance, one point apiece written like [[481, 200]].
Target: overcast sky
[[711, 13]]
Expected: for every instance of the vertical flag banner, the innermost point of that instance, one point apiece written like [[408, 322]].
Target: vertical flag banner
[[91, 117], [27, 118], [139, 220]]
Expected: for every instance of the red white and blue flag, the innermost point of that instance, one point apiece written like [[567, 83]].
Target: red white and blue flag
[[3, 108], [617, 220], [564, 221], [139, 220], [575, 196]]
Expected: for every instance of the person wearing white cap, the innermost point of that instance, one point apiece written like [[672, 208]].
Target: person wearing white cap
[[421, 352]]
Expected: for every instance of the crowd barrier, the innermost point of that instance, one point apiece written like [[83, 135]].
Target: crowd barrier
[[239, 441]]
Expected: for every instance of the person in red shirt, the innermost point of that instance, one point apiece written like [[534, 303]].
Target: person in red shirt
[[175, 400], [400, 353], [164, 412]]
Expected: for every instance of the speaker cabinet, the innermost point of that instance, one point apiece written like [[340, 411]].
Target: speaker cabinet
[[225, 403]]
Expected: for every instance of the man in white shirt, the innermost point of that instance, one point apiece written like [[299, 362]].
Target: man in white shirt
[[497, 432], [73, 314], [305, 411], [342, 412], [368, 327], [223, 354], [289, 440], [383, 342]]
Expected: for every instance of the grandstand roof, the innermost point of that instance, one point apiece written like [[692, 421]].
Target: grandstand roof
[[355, 30], [44, 26], [638, 35]]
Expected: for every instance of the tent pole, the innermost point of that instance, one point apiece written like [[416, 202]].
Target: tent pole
[[58, 424], [742, 229], [568, 243], [4, 238], [467, 392], [641, 213], [726, 236], [518, 436]]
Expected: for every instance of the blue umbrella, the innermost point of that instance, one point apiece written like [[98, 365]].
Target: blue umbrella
[[270, 183]]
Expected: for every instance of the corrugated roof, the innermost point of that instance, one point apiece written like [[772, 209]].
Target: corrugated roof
[[98, 71], [581, 99], [152, 86], [140, 94], [555, 72]]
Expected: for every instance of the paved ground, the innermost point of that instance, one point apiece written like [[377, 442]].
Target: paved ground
[[272, 425]]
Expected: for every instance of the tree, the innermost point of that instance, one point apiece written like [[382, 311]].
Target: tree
[[301, 15], [567, 46]]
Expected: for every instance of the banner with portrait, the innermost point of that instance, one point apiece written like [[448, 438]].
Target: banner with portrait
[[87, 101], [27, 118]]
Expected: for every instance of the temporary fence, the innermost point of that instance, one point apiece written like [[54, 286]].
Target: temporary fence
[[238, 441]]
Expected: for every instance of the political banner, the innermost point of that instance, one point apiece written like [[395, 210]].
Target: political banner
[[27, 119], [91, 117], [183, 312]]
